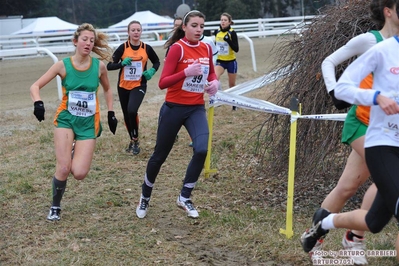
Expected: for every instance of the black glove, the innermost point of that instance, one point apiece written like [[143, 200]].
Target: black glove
[[112, 121], [38, 110], [339, 104], [227, 38]]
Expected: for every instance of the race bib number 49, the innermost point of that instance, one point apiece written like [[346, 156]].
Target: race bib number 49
[[81, 103], [196, 83]]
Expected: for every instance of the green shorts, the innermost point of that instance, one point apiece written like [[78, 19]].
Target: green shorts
[[83, 127], [353, 127]]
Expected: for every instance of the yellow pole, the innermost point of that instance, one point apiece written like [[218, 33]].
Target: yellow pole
[[207, 169], [288, 231]]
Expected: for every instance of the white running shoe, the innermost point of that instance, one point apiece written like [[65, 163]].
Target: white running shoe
[[316, 252], [188, 206], [54, 214], [358, 248], [141, 210]]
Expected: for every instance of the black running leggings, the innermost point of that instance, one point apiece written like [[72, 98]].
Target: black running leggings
[[383, 164], [171, 119], [130, 103]]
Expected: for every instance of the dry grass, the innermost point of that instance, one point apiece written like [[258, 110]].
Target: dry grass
[[241, 209], [318, 144]]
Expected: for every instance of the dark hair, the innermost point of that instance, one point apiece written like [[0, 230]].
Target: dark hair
[[377, 10], [177, 18], [179, 32], [228, 16]]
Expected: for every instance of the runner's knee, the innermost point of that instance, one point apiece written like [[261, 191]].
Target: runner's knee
[[374, 224]]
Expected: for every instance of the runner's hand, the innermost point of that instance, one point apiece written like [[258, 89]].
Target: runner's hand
[[339, 104], [148, 74], [112, 121], [388, 105], [193, 69], [127, 61], [212, 87], [39, 110]]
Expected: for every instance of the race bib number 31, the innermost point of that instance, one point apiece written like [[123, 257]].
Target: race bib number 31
[[81, 103]]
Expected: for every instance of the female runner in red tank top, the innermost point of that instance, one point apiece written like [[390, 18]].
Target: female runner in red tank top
[[187, 74]]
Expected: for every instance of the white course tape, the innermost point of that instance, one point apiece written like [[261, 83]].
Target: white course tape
[[335, 117], [248, 103]]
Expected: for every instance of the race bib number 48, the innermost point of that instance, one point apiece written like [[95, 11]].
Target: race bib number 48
[[81, 103]]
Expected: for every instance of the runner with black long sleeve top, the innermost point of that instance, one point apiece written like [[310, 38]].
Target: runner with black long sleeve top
[[131, 59]]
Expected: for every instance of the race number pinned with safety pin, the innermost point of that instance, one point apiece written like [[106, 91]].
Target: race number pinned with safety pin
[[196, 84], [134, 71], [391, 122], [82, 103]]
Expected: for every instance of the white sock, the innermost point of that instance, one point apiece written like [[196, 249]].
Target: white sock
[[328, 223]]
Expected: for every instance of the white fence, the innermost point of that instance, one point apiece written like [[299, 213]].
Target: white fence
[[50, 44], [250, 27]]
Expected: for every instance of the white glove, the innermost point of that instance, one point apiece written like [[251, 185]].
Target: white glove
[[193, 69], [212, 87]]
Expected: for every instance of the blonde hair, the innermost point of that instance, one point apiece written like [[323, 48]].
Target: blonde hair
[[101, 46]]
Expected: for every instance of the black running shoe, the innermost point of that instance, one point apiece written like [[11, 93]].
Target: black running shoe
[[130, 147], [310, 237], [136, 147]]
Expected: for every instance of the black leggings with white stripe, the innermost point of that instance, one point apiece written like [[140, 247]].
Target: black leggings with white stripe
[[171, 118]]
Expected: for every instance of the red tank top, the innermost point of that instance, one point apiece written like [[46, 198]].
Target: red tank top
[[189, 91]]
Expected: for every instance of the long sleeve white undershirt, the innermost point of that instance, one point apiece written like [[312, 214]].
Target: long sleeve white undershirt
[[355, 47], [382, 61]]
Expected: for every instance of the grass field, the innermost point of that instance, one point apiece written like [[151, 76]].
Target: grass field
[[239, 219]]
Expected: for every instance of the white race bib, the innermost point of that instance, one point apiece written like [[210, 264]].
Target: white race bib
[[134, 71], [82, 103], [223, 48], [196, 84]]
